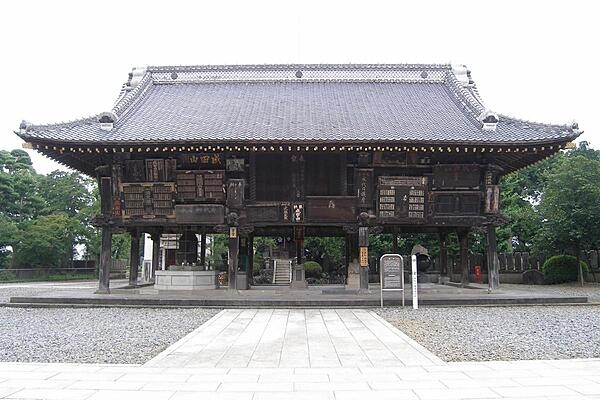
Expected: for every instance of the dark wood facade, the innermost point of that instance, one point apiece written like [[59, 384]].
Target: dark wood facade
[[352, 150]]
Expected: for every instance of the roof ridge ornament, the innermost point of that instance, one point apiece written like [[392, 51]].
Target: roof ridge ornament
[[25, 126], [463, 75], [107, 120], [135, 76], [489, 120]]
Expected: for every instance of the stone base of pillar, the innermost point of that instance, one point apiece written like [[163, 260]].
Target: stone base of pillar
[[353, 276], [364, 280], [102, 291], [298, 277], [298, 285], [241, 281]]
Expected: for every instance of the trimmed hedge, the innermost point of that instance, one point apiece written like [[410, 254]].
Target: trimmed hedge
[[559, 269], [7, 276], [312, 269]]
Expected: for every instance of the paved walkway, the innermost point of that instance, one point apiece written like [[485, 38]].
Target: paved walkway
[[295, 339], [301, 354]]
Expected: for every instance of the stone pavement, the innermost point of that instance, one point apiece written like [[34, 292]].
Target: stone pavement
[[301, 354], [319, 296]]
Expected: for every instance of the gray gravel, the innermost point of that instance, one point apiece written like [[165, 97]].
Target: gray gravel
[[502, 333], [590, 290], [93, 335]]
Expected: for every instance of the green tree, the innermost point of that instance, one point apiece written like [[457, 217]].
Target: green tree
[[327, 251], [570, 207], [67, 192], [9, 234], [47, 241]]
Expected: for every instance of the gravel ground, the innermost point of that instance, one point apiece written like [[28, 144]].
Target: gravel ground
[[93, 335], [591, 290], [502, 333]]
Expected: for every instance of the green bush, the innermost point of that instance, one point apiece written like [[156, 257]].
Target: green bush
[[7, 276], [559, 269], [312, 269]]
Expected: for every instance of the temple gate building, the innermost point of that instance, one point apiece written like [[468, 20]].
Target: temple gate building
[[297, 151]]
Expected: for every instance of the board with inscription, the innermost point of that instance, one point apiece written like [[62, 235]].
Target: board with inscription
[[402, 197], [147, 200], [392, 271], [200, 185]]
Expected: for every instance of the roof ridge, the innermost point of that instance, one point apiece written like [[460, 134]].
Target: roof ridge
[[267, 67], [574, 126], [63, 124], [125, 101]]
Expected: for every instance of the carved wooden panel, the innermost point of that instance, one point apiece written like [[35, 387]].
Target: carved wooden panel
[[456, 176], [264, 213], [235, 193], [213, 185], [200, 160], [155, 170], [492, 199], [199, 214], [134, 171], [147, 200], [200, 185], [187, 188], [332, 209], [402, 197], [457, 203], [235, 164], [364, 184], [387, 158]]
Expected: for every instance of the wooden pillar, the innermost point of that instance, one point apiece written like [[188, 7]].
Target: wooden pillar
[[363, 243], [203, 249], [233, 253], [134, 257], [492, 259], [105, 261], [443, 254], [347, 255], [155, 253], [463, 242], [250, 271]]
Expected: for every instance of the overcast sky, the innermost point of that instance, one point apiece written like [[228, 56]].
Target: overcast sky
[[64, 60]]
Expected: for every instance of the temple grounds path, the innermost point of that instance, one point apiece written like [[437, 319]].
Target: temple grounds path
[[301, 354]]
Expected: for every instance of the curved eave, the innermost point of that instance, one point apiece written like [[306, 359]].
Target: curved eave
[[510, 157]]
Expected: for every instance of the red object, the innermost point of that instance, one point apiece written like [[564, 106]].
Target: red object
[[478, 274]]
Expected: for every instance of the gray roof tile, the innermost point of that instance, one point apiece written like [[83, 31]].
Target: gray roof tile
[[343, 103]]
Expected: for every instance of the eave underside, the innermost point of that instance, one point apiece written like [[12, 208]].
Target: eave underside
[[509, 157]]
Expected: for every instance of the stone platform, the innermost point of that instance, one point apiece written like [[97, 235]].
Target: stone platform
[[276, 296]]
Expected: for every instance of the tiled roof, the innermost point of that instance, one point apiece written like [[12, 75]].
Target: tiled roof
[[299, 103]]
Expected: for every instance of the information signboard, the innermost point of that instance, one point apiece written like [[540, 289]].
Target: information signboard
[[391, 268]]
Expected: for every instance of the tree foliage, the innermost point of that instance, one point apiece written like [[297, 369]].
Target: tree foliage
[[570, 206], [43, 217]]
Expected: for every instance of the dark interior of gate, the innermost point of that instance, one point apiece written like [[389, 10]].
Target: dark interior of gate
[[298, 151]]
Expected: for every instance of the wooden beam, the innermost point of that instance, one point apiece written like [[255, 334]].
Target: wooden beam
[[492, 259], [443, 254], [105, 261], [234, 251], [155, 253], [463, 242], [203, 249], [134, 257]]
